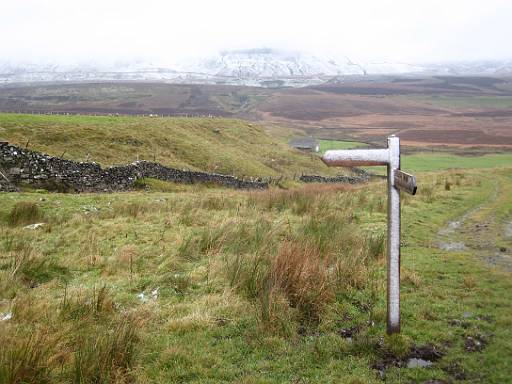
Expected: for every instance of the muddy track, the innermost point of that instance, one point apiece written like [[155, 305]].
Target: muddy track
[[479, 237]]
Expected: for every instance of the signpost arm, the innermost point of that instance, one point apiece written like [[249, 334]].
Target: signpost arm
[[393, 289]]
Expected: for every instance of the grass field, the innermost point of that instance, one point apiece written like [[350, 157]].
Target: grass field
[[440, 161], [210, 286], [326, 145]]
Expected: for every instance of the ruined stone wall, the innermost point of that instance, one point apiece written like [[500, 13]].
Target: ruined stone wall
[[341, 179], [23, 166]]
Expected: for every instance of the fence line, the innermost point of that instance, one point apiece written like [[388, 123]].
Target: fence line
[[110, 114]]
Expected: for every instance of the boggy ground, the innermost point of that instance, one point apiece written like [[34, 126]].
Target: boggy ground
[[203, 285]]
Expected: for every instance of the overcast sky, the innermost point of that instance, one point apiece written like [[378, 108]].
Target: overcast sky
[[166, 30]]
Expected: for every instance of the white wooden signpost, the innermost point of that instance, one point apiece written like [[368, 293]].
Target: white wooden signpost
[[397, 181]]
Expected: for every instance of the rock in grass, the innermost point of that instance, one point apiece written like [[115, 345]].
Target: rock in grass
[[34, 226]]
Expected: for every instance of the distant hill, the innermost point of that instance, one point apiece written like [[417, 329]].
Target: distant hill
[[254, 67]]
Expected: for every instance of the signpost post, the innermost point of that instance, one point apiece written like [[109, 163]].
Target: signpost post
[[397, 181]]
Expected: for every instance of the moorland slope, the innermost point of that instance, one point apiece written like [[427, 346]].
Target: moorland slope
[[206, 144]]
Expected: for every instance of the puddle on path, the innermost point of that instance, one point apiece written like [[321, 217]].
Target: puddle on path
[[450, 228], [447, 236], [418, 363], [451, 246]]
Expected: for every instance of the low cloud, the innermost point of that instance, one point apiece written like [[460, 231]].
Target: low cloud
[[167, 31]]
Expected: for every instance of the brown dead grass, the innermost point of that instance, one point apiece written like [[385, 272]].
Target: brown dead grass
[[301, 273]]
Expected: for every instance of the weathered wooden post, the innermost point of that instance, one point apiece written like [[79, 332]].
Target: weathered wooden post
[[397, 180]]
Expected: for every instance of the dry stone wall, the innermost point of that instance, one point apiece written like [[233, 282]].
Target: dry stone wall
[[23, 166], [20, 166], [341, 179]]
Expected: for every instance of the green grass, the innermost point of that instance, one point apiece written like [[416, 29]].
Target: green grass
[[251, 287], [215, 145], [440, 161], [326, 145]]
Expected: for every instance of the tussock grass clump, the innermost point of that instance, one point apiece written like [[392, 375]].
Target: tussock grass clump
[[377, 204], [124, 258], [469, 282], [232, 237], [375, 244], [87, 305], [92, 353], [300, 201], [89, 250], [302, 269], [24, 212], [33, 269], [255, 237], [25, 264], [217, 203], [356, 265], [201, 242], [326, 232], [397, 345], [105, 354], [136, 209], [410, 277], [132, 209], [303, 276], [428, 193], [24, 358], [93, 342]]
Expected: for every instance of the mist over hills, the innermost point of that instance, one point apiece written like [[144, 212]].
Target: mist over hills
[[254, 67]]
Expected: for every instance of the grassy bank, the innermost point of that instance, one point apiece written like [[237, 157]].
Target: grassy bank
[[207, 144]]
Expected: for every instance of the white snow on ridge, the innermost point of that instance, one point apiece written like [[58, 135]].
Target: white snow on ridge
[[255, 67], [267, 63]]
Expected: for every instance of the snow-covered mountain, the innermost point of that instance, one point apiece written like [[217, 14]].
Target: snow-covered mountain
[[271, 64], [274, 64], [256, 67]]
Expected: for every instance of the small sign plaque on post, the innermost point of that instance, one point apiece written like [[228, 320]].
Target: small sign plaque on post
[[405, 182], [397, 181]]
